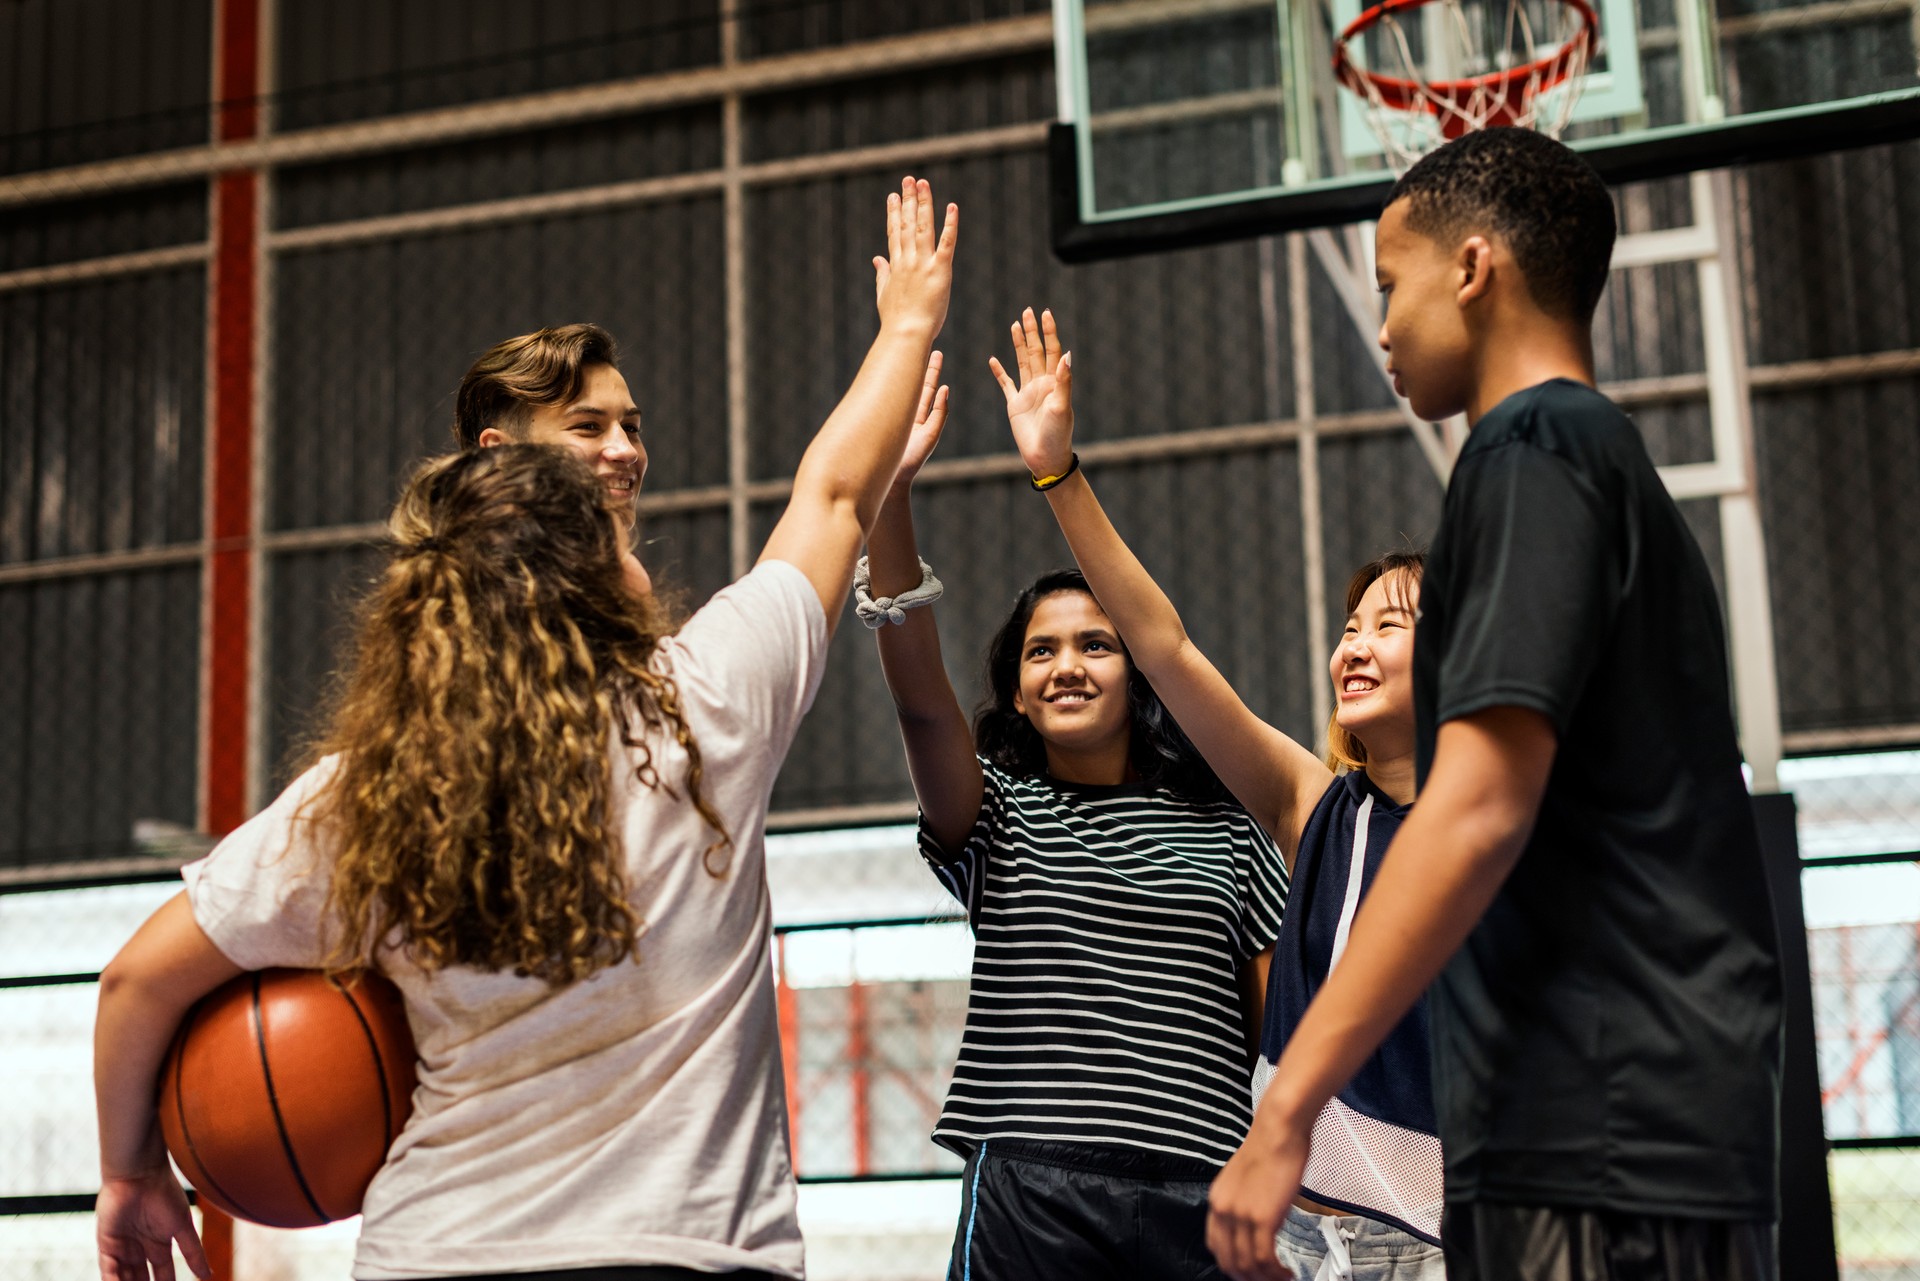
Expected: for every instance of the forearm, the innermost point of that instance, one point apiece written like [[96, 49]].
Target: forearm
[[854, 455], [1441, 873], [145, 991], [134, 1026], [910, 651], [1147, 619]]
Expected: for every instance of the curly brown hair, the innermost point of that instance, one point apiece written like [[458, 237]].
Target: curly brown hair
[[495, 659]]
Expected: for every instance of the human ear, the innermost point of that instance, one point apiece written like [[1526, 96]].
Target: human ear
[[1475, 264], [492, 436]]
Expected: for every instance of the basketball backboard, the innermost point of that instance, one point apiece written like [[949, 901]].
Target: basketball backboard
[[1189, 121]]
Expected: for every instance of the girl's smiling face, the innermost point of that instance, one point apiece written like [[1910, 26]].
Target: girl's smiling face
[[1073, 675], [1372, 666]]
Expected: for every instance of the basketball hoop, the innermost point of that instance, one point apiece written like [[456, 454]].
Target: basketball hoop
[[1412, 112]]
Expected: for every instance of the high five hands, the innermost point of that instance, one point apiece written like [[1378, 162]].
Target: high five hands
[[914, 281], [929, 418], [1040, 406]]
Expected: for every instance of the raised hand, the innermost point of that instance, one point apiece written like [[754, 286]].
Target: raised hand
[[137, 1222], [1040, 407], [928, 421], [913, 283]]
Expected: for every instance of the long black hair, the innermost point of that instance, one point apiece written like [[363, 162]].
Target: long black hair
[[1161, 753]]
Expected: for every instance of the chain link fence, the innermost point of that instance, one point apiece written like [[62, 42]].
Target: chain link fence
[[216, 366]]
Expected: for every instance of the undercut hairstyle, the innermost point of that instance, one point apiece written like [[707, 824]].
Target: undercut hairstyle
[[541, 368], [1403, 572], [1536, 194], [1161, 753], [471, 790]]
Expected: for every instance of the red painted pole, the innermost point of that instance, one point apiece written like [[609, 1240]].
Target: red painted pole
[[858, 1053], [232, 308]]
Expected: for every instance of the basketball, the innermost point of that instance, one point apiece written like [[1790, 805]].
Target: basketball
[[282, 1093]]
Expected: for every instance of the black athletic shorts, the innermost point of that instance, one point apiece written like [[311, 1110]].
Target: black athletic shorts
[[1494, 1241], [1073, 1212]]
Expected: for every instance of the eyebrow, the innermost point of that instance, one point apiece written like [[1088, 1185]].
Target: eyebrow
[[1090, 633], [582, 407], [1390, 609]]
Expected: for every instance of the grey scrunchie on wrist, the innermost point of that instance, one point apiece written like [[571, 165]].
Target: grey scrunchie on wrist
[[877, 611]]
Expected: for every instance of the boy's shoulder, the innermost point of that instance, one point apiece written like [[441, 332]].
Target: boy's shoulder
[[1560, 415], [1570, 420]]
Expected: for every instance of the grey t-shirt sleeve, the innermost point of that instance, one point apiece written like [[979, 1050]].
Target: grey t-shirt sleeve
[[755, 653], [260, 896], [1535, 582]]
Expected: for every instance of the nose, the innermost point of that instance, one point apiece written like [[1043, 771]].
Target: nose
[[1381, 338], [620, 447]]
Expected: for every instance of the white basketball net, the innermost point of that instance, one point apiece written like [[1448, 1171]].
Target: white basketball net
[[1478, 70]]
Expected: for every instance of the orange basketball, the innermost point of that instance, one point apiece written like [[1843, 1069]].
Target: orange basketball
[[282, 1094]]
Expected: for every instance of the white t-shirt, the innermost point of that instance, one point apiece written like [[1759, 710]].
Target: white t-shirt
[[638, 1116]]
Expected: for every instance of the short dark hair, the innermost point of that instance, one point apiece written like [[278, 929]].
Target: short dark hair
[[1536, 194], [511, 377], [1161, 753]]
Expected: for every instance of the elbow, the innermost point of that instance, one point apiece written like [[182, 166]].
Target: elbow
[[125, 983]]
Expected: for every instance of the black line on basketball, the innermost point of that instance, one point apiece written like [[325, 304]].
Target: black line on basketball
[[273, 1100], [186, 1127], [379, 1067]]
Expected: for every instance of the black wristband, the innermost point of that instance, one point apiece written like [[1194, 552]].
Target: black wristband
[[1042, 486]]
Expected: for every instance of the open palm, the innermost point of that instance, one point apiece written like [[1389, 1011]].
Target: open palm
[[1040, 406]]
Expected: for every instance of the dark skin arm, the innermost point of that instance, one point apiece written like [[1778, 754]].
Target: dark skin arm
[[1440, 875]]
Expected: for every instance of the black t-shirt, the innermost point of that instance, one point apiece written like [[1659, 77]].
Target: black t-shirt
[[1609, 1036]]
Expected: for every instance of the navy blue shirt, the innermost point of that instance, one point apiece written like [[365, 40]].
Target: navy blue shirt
[[1374, 1147]]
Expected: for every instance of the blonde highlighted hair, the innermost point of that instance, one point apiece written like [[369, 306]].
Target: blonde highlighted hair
[[496, 659], [1403, 570]]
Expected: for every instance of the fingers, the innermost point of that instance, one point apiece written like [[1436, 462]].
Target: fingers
[[923, 214], [114, 1267], [937, 416], [1020, 353], [1000, 375], [1249, 1253], [929, 387], [949, 233], [893, 226], [1050, 336], [1036, 349], [1221, 1243], [910, 216], [195, 1254]]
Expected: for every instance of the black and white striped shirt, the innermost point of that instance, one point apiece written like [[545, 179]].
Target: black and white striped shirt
[[1110, 924]]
